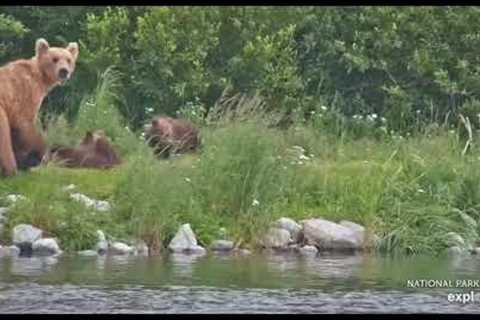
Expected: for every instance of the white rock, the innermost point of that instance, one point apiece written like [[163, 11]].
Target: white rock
[[294, 247], [328, 235], [121, 248], [454, 239], [243, 252], [102, 206], [25, 234], [87, 253], [276, 238], [10, 251], [3, 212], [70, 187], [13, 250], [290, 225], [97, 205], [356, 228], [185, 241], [308, 250], [141, 248], [196, 250], [101, 236], [83, 199], [46, 246], [222, 245], [15, 197], [455, 251]]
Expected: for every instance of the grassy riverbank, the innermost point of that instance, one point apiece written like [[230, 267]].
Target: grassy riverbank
[[411, 191]]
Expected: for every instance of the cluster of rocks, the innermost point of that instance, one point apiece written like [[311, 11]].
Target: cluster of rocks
[[97, 205], [314, 235], [103, 247], [308, 237], [28, 240], [185, 242], [458, 246]]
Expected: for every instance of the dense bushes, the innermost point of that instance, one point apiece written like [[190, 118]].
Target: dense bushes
[[408, 65]]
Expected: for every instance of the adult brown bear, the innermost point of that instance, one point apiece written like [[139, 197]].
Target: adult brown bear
[[168, 136], [24, 85], [94, 151]]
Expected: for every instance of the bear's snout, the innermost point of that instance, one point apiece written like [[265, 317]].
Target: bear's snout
[[63, 74]]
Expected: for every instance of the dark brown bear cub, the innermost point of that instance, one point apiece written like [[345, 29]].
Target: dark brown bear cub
[[170, 136], [95, 151]]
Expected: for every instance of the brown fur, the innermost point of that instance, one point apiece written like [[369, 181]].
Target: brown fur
[[28, 147], [24, 85], [168, 135], [95, 151]]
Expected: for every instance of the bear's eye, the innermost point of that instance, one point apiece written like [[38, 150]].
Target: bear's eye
[[68, 60], [55, 60]]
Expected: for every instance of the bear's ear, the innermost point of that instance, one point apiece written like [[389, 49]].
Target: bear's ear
[[73, 48], [41, 47]]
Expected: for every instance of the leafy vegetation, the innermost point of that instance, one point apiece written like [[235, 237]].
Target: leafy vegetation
[[336, 112]]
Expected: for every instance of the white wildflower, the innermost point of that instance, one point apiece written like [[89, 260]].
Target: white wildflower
[[255, 202]]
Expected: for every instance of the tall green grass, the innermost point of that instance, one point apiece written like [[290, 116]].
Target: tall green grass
[[410, 191]]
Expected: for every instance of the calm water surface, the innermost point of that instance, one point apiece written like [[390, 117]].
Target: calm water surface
[[234, 284]]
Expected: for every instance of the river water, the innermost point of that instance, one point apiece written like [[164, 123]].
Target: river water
[[272, 283]]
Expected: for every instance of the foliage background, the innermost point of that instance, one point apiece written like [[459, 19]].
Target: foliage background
[[408, 65]]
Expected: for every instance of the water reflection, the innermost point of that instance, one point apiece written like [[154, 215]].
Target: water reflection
[[34, 266], [275, 283]]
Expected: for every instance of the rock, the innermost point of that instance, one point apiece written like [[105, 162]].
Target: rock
[[46, 247], [87, 253], [3, 214], [243, 252], [455, 251], [24, 235], [185, 241], [308, 250], [10, 251], [140, 248], [97, 205], [327, 235], [102, 245], [293, 247], [222, 245], [101, 236], [476, 250], [13, 251], [454, 239], [13, 198], [70, 187], [276, 238], [290, 225], [356, 228], [121, 248], [102, 206]]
